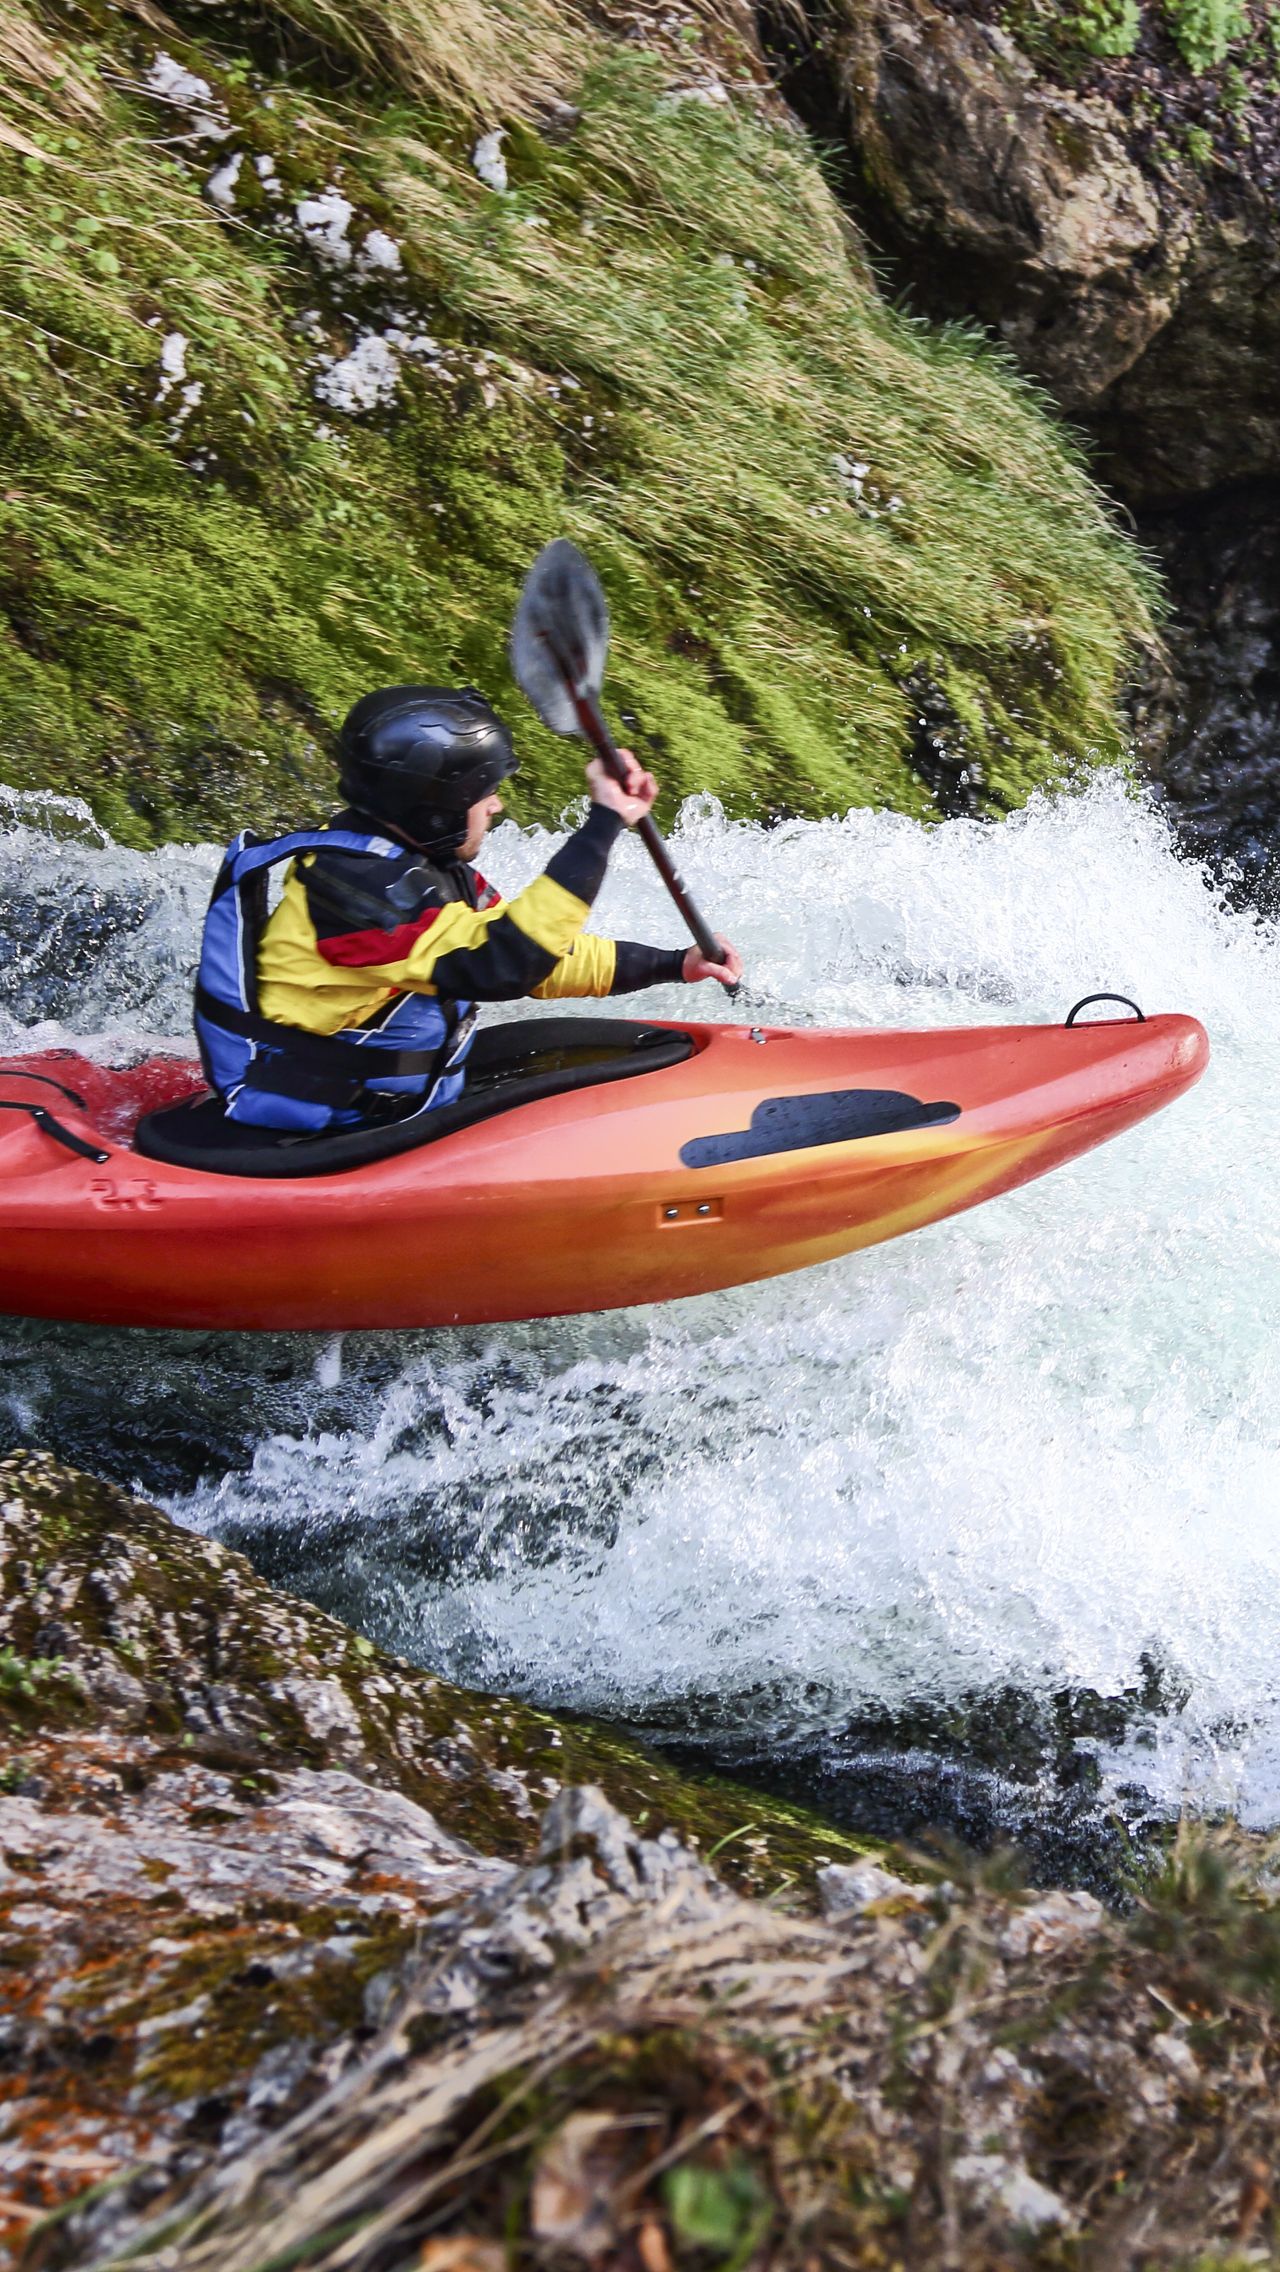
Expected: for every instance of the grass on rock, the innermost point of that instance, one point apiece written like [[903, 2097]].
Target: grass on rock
[[661, 339]]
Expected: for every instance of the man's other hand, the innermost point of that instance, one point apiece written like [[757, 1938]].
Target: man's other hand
[[631, 802]]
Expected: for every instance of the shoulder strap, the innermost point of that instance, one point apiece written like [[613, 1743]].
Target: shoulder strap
[[249, 855]]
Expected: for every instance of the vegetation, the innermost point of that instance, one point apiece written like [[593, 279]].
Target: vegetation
[[260, 456], [1203, 32], [1106, 27], [1206, 30]]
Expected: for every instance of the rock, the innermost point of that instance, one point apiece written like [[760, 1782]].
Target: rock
[[1052, 1924], [1209, 724], [118, 1619], [227, 1824], [1009, 2186], [1020, 198], [849, 1889], [251, 1995], [593, 1871], [582, 1823], [1144, 294]]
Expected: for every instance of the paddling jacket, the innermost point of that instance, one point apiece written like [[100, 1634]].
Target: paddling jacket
[[361, 987]]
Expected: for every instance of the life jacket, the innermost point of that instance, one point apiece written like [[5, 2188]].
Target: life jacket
[[277, 1076]]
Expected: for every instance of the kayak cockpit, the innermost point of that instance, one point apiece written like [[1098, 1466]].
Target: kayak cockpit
[[509, 1065]]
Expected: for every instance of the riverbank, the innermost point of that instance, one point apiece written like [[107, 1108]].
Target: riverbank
[[308, 1959], [226, 1817]]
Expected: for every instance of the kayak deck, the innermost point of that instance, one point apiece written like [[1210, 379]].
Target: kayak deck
[[759, 1151]]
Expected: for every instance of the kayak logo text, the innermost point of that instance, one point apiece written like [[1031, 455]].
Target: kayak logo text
[[134, 1191]]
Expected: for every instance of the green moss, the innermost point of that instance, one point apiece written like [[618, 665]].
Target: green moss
[[33, 1689], [246, 2006], [658, 341]]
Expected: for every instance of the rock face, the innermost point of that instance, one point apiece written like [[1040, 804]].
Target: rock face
[[1134, 271], [1212, 726], [1144, 296], [1017, 202]]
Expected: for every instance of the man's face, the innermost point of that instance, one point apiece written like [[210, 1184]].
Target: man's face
[[485, 810]]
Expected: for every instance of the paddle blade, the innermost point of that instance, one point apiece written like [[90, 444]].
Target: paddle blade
[[560, 637]]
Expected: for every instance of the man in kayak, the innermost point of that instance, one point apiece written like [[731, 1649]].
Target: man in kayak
[[355, 1000]]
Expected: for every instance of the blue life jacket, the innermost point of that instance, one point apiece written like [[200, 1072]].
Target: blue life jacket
[[278, 1076]]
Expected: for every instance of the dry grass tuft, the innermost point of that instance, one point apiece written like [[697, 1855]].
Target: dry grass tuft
[[491, 59], [38, 76]]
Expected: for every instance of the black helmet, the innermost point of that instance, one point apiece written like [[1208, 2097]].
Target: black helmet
[[416, 758]]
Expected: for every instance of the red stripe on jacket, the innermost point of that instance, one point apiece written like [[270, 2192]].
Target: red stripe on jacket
[[352, 949]]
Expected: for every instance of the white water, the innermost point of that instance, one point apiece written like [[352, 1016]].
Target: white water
[[1036, 1445]]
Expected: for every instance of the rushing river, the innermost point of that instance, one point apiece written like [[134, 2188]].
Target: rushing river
[[982, 1526]]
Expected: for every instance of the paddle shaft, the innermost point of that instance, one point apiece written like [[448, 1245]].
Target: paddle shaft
[[591, 720]]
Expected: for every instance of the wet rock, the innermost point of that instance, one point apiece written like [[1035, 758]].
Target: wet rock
[[1209, 723]]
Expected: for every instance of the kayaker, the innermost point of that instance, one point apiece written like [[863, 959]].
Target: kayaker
[[356, 998]]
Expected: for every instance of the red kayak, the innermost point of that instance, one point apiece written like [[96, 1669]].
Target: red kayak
[[592, 1163]]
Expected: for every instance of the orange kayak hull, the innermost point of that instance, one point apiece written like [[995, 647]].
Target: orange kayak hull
[[581, 1201]]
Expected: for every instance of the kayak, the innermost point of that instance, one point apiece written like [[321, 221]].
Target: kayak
[[592, 1163]]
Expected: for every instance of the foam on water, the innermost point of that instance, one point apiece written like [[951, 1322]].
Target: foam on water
[[1037, 1447]]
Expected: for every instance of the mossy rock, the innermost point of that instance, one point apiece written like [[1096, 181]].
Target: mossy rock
[[111, 1614]]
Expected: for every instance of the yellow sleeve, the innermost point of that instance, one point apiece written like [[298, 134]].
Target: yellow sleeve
[[587, 968]]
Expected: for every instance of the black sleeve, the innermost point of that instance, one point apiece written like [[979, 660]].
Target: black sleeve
[[646, 966], [580, 864]]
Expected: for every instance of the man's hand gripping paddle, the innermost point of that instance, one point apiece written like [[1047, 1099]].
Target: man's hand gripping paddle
[[559, 644]]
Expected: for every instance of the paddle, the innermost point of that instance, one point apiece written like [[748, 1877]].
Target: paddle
[[559, 643]]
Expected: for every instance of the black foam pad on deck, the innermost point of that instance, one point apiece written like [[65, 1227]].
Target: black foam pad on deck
[[832, 1116]]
